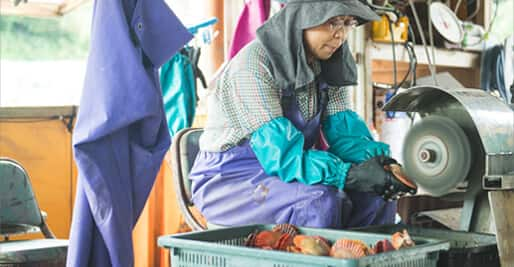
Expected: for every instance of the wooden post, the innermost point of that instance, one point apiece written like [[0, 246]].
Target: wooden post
[[503, 214], [214, 54]]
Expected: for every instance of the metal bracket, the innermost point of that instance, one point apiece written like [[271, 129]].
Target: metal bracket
[[476, 215], [499, 171], [67, 120]]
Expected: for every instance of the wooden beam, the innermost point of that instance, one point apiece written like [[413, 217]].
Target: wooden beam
[[70, 5], [29, 9], [39, 9], [36, 112], [444, 57]]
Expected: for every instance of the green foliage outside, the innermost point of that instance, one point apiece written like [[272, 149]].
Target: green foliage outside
[[61, 38]]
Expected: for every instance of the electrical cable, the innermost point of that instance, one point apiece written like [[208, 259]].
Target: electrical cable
[[410, 51], [412, 35], [383, 8], [412, 66], [395, 70], [431, 38], [422, 35], [414, 62], [457, 6], [477, 7]]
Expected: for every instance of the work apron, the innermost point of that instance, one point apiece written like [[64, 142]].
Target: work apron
[[231, 188]]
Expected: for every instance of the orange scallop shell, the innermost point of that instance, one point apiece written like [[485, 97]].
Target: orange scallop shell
[[267, 239], [402, 240]]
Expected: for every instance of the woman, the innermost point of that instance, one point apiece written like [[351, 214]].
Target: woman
[[258, 161]]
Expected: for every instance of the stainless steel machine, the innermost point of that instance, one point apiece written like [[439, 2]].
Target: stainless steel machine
[[461, 147]]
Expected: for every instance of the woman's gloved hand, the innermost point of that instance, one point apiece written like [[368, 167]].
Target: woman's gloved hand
[[371, 176]]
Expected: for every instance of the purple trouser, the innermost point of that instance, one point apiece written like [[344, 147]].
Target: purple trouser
[[231, 188]]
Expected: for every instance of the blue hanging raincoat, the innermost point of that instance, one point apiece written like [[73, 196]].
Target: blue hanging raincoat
[[121, 134]]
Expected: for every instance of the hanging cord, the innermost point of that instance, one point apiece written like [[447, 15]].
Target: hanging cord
[[395, 70], [492, 74], [408, 46], [477, 8], [456, 6], [414, 63], [431, 37], [193, 55], [412, 66], [422, 35], [412, 56], [381, 8], [500, 79]]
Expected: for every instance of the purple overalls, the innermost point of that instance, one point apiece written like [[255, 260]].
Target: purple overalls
[[231, 188]]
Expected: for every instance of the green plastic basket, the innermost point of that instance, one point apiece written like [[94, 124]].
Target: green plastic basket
[[466, 248], [224, 247]]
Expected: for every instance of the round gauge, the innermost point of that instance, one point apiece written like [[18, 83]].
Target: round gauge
[[446, 22]]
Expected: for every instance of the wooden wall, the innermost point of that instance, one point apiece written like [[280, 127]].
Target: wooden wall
[[43, 147]]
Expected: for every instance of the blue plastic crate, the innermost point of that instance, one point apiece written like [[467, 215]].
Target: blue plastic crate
[[225, 247]]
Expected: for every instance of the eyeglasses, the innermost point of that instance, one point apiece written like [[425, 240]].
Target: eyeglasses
[[340, 24]]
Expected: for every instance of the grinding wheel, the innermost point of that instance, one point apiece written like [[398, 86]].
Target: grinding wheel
[[437, 154]]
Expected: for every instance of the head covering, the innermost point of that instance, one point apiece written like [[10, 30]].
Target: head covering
[[282, 38]]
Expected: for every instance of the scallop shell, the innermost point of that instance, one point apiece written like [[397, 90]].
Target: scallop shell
[[402, 240], [349, 249], [267, 239], [397, 171], [284, 242], [383, 246], [286, 228], [311, 245], [250, 239]]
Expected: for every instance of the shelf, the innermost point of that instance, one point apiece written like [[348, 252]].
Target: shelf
[[37, 112], [443, 57]]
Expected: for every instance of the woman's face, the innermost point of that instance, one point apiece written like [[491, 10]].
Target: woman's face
[[323, 40]]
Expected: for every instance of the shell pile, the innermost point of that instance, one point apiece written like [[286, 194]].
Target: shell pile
[[286, 237]]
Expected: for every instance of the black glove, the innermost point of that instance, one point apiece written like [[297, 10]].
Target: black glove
[[371, 176]]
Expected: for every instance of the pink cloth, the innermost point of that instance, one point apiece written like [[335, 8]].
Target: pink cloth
[[254, 14]]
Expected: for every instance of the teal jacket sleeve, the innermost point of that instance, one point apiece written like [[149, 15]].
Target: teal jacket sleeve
[[278, 146], [349, 138]]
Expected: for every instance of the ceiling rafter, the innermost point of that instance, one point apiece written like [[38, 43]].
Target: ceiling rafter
[[39, 8]]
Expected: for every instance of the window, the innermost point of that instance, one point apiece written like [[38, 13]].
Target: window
[[43, 60]]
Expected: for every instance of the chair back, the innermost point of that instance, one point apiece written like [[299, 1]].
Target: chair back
[[20, 214], [19, 211], [184, 149]]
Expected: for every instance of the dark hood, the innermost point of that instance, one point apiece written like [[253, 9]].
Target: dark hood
[[282, 38]]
